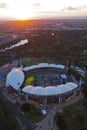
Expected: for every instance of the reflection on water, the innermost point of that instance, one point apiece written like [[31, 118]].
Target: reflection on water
[[22, 42]]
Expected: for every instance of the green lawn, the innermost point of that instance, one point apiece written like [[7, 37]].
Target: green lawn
[[41, 60], [9, 121], [33, 114], [76, 115]]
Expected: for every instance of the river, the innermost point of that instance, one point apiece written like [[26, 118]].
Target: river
[[22, 42]]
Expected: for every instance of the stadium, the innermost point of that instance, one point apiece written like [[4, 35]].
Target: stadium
[[42, 83]]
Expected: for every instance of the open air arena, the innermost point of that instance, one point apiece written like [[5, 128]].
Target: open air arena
[[51, 89], [51, 84]]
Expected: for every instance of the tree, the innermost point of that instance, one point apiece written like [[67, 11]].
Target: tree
[[85, 85]]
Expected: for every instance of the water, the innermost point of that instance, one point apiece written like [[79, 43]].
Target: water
[[22, 42]]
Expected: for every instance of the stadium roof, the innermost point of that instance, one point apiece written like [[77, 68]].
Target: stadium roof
[[63, 89], [72, 85], [38, 91], [44, 65], [28, 89], [50, 90], [15, 78]]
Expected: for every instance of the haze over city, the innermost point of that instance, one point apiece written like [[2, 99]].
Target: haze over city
[[39, 9]]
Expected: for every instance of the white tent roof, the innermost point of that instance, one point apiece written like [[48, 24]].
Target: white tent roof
[[63, 89], [42, 65], [38, 91], [51, 90], [15, 78], [72, 85], [60, 66], [34, 66], [52, 65], [26, 68], [30, 67], [28, 89]]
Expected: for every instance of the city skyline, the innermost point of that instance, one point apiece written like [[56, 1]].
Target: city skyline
[[37, 9]]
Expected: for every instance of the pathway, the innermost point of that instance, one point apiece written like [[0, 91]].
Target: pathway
[[48, 122]]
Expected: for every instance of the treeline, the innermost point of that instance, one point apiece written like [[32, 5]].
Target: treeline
[[62, 45], [6, 109]]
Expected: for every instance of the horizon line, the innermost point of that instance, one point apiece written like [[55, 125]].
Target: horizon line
[[43, 19]]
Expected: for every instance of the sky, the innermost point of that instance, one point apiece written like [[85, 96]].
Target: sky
[[36, 9]]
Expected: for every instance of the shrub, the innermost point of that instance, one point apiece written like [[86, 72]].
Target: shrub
[[85, 102], [80, 118], [84, 90], [61, 123], [25, 107]]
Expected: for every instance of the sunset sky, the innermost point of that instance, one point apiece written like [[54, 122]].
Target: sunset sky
[[32, 9]]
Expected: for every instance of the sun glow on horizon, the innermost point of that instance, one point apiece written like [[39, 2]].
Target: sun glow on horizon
[[28, 9], [22, 14], [22, 11]]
